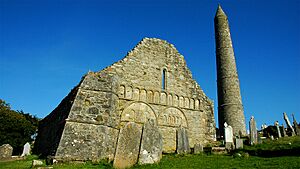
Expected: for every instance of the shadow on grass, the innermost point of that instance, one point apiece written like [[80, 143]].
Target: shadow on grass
[[274, 153]]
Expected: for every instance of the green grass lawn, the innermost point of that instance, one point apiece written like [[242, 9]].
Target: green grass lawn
[[186, 162], [291, 144]]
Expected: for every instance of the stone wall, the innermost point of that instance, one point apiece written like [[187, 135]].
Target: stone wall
[[51, 127], [91, 129], [151, 82], [178, 101]]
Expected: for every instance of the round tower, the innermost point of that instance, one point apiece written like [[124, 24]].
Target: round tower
[[230, 107]]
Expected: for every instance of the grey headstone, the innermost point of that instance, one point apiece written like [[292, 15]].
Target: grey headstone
[[128, 146], [278, 129], [253, 131], [26, 150], [198, 148], [182, 146], [288, 123], [151, 144], [228, 136], [296, 125], [259, 139], [6, 151], [239, 143], [283, 131]]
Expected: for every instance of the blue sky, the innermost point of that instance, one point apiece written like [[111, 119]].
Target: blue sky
[[47, 46]]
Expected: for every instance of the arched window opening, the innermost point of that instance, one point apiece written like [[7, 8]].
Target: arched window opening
[[163, 81]]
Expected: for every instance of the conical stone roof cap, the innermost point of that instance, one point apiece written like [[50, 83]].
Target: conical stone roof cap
[[220, 12]]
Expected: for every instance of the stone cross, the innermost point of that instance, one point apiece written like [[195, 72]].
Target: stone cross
[[228, 136], [278, 129], [296, 125], [253, 131], [288, 123]]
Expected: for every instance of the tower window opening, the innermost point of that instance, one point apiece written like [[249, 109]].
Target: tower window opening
[[163, 81]]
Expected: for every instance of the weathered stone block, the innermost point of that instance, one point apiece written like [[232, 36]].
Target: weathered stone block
[[198, 148], [239, 143], [182, 141], [26, 149], [128, 146], [6, 151], [151, 144], [169, 139]]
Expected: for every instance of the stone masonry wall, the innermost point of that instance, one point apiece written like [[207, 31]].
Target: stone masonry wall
[[91, 129], [181, 102], [51, 127], [152, 81]]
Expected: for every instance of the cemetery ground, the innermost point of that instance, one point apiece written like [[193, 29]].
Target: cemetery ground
[[281, 153]]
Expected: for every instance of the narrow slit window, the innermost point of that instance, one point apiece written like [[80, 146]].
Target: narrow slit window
[[163, 82]]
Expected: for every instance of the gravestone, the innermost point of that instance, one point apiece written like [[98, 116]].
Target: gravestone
[[198, 148], [26, 150], [182, 146], [151, 144], [278, 129], [253, 131], [128, 146], [288, 123], [296, 125], [228, 136], [283, 131], [6, 151], [239, 143], [259, 139]]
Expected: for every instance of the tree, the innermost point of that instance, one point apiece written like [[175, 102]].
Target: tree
[[16, 127]]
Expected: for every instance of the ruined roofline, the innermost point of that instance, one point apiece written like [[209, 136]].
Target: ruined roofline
[[176, 53], [136, 48]]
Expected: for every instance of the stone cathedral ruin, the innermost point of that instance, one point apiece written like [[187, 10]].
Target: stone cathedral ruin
[[109, 111]]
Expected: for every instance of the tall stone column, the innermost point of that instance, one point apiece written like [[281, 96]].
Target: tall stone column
[[230, 107]]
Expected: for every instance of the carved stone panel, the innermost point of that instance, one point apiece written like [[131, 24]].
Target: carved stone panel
[[149, 96], [135, 94], [143, 95], [163, 98], [197, 104], [175, 101], [181, 102], [128, 93], [137, 112], [170, 100], [156, 97], [172, 117], [122, 91], [186, 103], [192, 103]]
